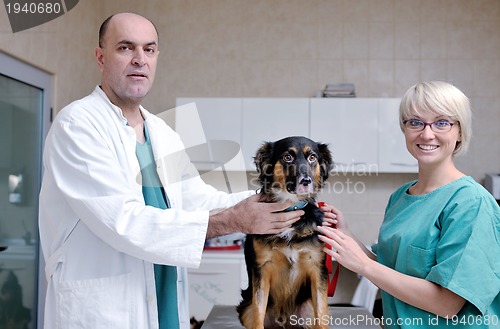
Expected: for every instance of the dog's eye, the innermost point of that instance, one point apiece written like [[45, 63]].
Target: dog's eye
[[312, 158], [287, 157]]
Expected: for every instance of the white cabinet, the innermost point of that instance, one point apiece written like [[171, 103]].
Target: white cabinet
[[270, 119], [211, 127], [219, 117], [350, 127], [247, 121], [218, 281], [392, 153], [363, 133]]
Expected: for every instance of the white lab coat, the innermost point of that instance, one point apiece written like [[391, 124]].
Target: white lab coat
[[98, 238]]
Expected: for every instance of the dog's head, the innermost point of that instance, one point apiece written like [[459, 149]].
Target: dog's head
[[293, 168]]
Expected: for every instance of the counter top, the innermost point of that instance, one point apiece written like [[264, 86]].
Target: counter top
[[225, 317]]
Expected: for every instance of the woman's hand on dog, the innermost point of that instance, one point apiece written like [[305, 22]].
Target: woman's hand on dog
[[333, 217], [251, 216], [345, 249]]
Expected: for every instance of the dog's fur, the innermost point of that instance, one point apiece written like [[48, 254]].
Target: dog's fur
[[287, 273]]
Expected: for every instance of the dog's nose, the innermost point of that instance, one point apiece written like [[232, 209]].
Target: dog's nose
[[306, 180]]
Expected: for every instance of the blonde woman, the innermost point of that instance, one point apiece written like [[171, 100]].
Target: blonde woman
[[437, 260]]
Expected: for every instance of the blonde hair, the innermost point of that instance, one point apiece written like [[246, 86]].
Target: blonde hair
[[441, 98]]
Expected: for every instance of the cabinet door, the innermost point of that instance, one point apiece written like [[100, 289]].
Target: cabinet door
[[393, 154], [350, 127], [212, 130], [216, 282], [270, 119]]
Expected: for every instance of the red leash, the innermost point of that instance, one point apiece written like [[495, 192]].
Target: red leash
[[332, 284]]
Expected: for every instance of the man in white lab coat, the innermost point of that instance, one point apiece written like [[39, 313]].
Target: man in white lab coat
[[99, 237]]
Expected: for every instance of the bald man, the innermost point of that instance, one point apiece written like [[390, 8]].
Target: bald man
[[116, 247]]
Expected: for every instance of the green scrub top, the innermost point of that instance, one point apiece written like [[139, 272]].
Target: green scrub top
[[450, 236], [165, 276]]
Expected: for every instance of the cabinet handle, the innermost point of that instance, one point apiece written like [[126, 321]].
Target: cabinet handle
[[404, 164], [208, 273], [351, 163]]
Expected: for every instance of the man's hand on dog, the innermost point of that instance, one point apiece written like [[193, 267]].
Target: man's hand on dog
[[265, 218], [251, 216]]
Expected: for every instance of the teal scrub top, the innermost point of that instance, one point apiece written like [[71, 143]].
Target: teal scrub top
[[450, 236], [165, 276]]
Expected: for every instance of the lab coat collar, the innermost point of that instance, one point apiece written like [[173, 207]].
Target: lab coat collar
[[117, 110], [152, 130]]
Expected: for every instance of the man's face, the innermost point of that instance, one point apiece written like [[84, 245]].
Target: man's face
[[128, 58]]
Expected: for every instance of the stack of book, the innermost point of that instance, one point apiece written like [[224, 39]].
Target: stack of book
[[339, 90]]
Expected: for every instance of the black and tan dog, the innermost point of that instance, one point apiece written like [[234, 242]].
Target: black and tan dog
[[287, 274]]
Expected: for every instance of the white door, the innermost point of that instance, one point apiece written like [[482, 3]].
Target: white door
[[25, 108], [271, 119], [211, 130], [350, 127], [393, 155]]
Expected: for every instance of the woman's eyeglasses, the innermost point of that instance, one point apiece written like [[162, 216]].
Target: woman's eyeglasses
[[439, 126]]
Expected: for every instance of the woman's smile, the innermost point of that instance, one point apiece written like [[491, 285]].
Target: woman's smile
[[427, 147]]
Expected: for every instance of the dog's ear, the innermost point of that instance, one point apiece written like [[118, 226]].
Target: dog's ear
[[262, 159], [326, 160]]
